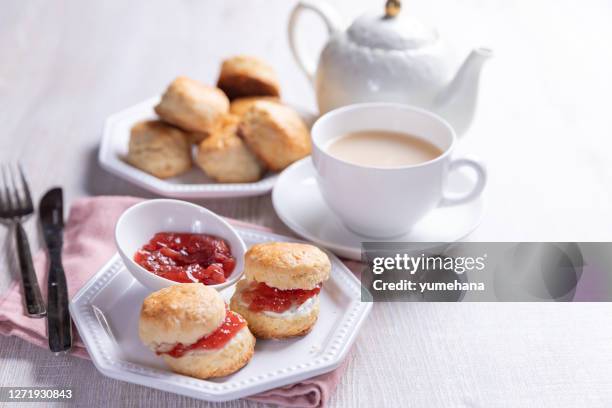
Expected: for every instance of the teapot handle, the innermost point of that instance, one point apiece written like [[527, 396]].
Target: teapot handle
[[329, 17]]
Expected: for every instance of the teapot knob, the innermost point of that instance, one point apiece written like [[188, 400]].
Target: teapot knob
[[392, 8]]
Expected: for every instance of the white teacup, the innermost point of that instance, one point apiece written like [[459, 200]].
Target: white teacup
[[387, 202]]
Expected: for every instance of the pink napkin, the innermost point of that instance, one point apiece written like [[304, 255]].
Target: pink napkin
[[88, 245]]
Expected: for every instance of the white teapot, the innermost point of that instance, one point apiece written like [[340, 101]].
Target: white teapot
[[389, 57]]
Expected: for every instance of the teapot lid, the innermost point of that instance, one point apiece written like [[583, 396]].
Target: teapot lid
[[390, 31]]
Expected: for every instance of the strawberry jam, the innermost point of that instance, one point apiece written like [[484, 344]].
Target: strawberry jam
[[261, 297], [232, 324], [187, 258]]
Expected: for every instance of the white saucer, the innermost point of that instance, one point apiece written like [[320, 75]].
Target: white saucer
[[299, 204]]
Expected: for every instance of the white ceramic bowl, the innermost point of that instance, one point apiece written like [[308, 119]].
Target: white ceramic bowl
[[139, 223]]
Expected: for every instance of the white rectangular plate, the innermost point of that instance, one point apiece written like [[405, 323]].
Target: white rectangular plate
[[107, 308], [193, 184]]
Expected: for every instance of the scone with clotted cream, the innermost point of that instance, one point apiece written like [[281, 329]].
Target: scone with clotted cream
[[279, 296], [195, 333]]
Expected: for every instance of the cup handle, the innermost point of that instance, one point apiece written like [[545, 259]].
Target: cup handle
[[329, 17], [481, 173]]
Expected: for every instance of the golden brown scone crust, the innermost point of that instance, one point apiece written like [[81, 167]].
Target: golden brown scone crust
[[159, 149], [181, 313], [225, 157], [247, 76], [276, 134], [197, 137], [229, 359], [241, 106], [287, 265], [227, 125], [268, 327], [192, 106]]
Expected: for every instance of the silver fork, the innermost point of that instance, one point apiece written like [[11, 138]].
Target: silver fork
[[15, 205]]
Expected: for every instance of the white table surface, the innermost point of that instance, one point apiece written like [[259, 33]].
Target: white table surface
[[544, 128]]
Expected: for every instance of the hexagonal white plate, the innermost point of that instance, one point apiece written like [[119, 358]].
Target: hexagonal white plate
[[106, 311], [193, 184]]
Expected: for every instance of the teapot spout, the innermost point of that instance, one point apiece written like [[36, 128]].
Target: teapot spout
[[456, 102]]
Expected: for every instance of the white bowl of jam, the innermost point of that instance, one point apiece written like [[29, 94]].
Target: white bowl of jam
[[166, 242]]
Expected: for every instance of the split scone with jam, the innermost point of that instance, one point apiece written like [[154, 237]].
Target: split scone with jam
[[280, 296], [192, 329]]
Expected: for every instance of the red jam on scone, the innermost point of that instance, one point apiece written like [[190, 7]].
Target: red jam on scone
[[279, 296], [232, 324], [190, 327], [187, 258], [261, 297]]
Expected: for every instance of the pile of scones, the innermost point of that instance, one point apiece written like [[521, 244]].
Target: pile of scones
[[240, 128]]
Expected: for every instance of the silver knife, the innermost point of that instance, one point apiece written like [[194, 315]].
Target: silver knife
[[59, 325]]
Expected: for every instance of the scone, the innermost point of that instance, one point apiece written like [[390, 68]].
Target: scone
[[190, 327], [247, 76], [159, 149], [241, 106], [197, 137], [280, 296], [276, 134], [225, 157], [192, 106]]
